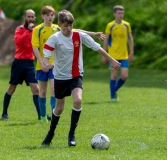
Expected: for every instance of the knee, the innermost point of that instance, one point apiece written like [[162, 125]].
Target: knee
[[11, 90], [77, 102], [35, 90], [58, 110], [42, 92], [124, 77]]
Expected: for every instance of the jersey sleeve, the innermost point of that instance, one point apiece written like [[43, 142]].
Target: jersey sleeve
[[129, 28], [49, 46], [35, 38], [89, 41], [107, 31]]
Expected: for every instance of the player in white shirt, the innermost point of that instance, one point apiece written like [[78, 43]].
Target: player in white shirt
[[68, 70]]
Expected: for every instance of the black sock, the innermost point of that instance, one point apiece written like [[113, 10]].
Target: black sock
[[74, 121], [6, 102], [54, 122], [36, 103]]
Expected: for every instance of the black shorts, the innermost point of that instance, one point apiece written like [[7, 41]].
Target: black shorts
[[22, 70], [64, 88]]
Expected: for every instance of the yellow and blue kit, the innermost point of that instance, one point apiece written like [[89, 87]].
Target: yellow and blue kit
[[118, 39], [39, 37]]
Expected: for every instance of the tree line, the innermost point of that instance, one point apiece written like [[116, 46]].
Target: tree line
[[147, 18]]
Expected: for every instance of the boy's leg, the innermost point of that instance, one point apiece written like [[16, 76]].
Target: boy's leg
[[122, 79], [112, 89], [114, 74], [55, 119], [75, 115], [42, 100], [52, 103]]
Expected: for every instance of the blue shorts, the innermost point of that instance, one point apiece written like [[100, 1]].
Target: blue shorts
[[44, 76], [22, 70], [124, 63]]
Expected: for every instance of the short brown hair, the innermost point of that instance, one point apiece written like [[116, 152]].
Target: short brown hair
[[47, 9], [118, 7], [65, 16]]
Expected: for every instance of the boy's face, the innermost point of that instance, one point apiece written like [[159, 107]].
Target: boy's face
[[66, 28], [119, 15], [48, 18]]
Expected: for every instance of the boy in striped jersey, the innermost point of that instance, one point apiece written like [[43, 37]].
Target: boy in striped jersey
[[68, 70]]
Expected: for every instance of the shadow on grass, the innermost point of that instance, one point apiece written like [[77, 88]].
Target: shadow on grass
[[137, 78], [95, 103], [53, 147], [20, 124]]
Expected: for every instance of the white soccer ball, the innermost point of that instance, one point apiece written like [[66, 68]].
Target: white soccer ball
[[100, 141]]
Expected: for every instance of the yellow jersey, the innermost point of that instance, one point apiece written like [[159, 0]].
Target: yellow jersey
[[118, 39], [39, 37]]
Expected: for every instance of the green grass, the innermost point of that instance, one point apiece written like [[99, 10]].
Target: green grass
[[136, 126]]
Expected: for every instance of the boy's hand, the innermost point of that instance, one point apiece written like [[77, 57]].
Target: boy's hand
[[116, 65], [99, 35], [166, 81]]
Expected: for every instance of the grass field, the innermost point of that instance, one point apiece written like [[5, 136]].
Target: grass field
[[136, 126]]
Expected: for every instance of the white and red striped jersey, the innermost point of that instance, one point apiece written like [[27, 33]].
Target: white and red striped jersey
[[68, 57]]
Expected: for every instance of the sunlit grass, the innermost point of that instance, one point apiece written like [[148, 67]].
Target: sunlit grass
[[136, 126]]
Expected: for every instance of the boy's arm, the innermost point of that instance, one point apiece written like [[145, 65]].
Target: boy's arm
[[114, 63], [131, 47], [47, 64], [105, 45], [39, 58], [98, 35]]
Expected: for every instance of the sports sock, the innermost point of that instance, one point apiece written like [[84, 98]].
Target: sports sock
[[36, 103], [52, 103], [74, 120], [119, 83], [112, 88], [54, 122], [42, 106], [6, 102]]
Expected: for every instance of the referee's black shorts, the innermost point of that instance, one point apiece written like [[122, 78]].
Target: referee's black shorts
[[22, 70], [64, 88]]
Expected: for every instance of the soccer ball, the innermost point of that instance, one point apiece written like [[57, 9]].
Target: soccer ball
[[100, 141]]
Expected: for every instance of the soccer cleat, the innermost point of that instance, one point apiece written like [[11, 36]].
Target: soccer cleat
[[44, 119], [49, 118], [71, 140], [5, 117], [48, 138], [114, 100]]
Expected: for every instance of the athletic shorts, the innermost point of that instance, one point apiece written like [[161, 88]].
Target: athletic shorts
[[22, 70], [64, 88], [124, 63], [44, 76]]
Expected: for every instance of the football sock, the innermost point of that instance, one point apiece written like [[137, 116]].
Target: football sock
[[42, 106], [6, 102], [119, 83], [54, 122], [112, 88], [74, 120], [52, 103], [36, 103]]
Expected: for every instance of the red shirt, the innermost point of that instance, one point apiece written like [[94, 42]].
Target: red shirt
[[22, 39]]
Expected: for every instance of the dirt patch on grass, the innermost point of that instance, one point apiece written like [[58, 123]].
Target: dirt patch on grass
[[7, 46]]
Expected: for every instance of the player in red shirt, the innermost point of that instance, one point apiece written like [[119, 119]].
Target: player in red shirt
[[23, 65]]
